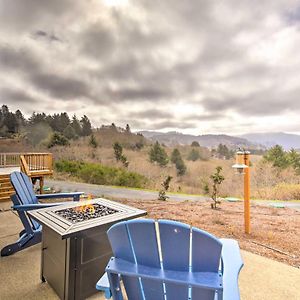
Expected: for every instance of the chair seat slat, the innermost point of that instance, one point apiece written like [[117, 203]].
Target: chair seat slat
[[206, 280]]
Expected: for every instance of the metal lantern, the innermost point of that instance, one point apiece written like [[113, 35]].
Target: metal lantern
[[240, 165]]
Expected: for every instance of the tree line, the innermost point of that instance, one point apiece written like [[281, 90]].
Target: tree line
[[12, 123]]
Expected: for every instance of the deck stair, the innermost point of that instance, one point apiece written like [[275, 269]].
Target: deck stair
[[6, 189], [34, 165]]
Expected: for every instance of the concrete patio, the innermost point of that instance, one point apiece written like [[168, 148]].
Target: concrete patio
[[260, 279]]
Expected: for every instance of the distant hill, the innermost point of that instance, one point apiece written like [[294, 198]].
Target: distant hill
[[207, 140], [269, 139]]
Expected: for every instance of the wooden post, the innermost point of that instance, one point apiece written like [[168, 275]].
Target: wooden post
[[247, 192], [41, 184]]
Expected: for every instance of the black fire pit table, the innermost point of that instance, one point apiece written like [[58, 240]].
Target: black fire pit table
[[75, 247]]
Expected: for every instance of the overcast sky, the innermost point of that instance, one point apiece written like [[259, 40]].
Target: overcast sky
[[193, 66]]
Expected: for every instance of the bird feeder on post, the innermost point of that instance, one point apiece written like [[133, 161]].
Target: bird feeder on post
[[242, 167]]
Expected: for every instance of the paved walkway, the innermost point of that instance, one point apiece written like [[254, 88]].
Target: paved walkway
[[135, 194], [115, 192], [260, 279]]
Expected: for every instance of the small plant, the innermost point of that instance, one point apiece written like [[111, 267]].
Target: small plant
[[217, 179], [165, 186]]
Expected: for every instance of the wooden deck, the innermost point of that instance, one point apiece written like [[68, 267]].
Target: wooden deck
[[34, 165], [9, 170]]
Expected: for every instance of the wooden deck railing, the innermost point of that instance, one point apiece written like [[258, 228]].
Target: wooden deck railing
[[36, 164], [8, 160]]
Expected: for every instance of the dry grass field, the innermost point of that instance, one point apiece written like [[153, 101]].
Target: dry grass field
[[266, 182]]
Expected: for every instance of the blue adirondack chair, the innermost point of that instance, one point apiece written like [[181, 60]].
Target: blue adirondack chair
[[170, 261], [24, 200]]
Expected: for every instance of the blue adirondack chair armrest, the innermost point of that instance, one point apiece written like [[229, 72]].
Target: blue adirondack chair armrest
[[27, 207], [208, 280], [74, 195], [232, 264], [103, 285]]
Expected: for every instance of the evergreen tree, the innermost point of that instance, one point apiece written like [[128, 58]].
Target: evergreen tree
[[20, 119], [113, 126], [193, 155], [118, 150], [93, 142], [128, 130], [37, 118], [76, 125], [294, 160], [159, 155], [86, 126], [195, 144], [178, 161], [277, 156], [224, 152], [64, 121], [70, 133], [175, 155], [57, 139]]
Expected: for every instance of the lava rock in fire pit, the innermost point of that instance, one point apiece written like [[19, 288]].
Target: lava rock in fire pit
[[85, 212]]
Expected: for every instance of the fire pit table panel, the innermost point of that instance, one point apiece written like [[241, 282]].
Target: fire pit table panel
[[75, 247]]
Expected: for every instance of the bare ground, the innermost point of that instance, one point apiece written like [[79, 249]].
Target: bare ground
[[275, 232]]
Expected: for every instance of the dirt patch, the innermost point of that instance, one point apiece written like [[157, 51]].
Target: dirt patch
[[277, 228]]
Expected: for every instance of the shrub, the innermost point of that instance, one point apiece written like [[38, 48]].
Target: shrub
[[100, 174]]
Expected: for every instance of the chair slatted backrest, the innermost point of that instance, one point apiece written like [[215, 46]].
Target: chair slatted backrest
[[165, 245], [24, 192]]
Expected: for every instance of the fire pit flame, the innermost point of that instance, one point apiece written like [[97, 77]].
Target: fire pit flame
[[88, 208], [85, 211]]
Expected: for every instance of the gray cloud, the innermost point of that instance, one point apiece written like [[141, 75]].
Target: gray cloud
[[97, 41], [151, 114], [12, 96], [18, 59], [20, 15], [59, 86], [40, 34], [232, 58], [170, 124]]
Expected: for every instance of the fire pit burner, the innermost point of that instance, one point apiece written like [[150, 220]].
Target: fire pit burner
[[85, 212]]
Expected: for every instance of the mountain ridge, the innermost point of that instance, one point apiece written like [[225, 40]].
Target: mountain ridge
[[207, 140], [251, 140]]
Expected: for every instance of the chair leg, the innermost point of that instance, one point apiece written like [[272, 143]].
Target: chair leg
[[10, 249], [23, 243], [114, 282]]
